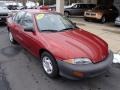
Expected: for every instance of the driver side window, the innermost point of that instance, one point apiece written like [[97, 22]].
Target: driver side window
[[75, 6], [27, 20]]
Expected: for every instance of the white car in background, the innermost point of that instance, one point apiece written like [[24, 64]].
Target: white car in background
[[4, 12], [117, 21]]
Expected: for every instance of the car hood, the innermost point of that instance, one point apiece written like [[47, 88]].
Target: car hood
[[96, 11], [76, 44]]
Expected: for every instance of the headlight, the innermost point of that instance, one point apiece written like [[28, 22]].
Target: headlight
[[79, 61], [98, 15]]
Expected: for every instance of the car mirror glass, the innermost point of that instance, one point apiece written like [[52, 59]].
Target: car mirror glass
[[28, 28]]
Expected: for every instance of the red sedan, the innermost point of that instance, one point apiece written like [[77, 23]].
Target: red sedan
[[63, 48]]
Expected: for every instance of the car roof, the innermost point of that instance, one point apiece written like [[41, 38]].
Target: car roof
[[36, 11], [83, 3]]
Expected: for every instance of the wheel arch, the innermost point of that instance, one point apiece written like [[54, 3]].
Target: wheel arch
[[45, 50], [67, 12]]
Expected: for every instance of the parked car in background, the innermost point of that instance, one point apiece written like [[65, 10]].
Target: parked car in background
[[4, 12], [52, 7], [15, 7], [12, 7], [43, 7], [63, 48], [77, 9], [101, 13], [117, 21]]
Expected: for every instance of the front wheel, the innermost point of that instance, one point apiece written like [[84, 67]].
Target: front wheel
[[103, 19], [86, 19], [67, 14], [49, 65]]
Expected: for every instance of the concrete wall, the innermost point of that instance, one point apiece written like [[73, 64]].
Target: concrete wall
[[60, 6]]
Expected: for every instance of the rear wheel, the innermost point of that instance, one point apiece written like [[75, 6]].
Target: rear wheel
[[67, 14], [86, 19], [103, 19], [11, 38], [49, 65]]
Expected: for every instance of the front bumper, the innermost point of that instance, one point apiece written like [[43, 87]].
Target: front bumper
[[117, 23], [92, 18], [90, 70]]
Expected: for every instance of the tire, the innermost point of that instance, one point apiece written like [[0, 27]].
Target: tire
[[103, 19], [86, 19], [49, 65], [11, 38], [67, 14]]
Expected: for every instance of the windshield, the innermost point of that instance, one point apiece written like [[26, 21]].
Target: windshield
[[53, 22]]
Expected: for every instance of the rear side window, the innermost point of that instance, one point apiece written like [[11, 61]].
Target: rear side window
[[18, 16], [75, 6], [90, 6], [84, 6]]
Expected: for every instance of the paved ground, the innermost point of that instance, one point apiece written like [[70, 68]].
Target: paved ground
[[21, 71]]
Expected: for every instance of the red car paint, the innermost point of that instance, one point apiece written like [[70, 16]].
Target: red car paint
[[62, 45]]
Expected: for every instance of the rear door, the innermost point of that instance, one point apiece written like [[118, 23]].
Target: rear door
[[75, 10]]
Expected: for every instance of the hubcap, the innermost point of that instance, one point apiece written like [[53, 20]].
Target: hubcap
[[66, 14], [103, 19], [47, 65], [10, 36]]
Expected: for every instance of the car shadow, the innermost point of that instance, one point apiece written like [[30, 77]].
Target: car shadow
[[11, 51]]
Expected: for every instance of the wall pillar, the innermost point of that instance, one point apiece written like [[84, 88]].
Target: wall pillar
[[60, 6]]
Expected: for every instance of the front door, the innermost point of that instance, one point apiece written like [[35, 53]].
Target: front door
[[28, 37]]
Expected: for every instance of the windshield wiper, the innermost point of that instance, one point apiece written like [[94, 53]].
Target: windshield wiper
[[49, 30], [67, 29]]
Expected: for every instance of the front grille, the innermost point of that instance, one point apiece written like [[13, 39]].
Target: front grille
[[91, 14], [5, 14]]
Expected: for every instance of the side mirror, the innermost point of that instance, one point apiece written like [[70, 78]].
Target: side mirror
[[28, 29], [74, 24]]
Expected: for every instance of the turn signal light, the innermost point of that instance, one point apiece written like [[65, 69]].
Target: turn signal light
[[78, 74]]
